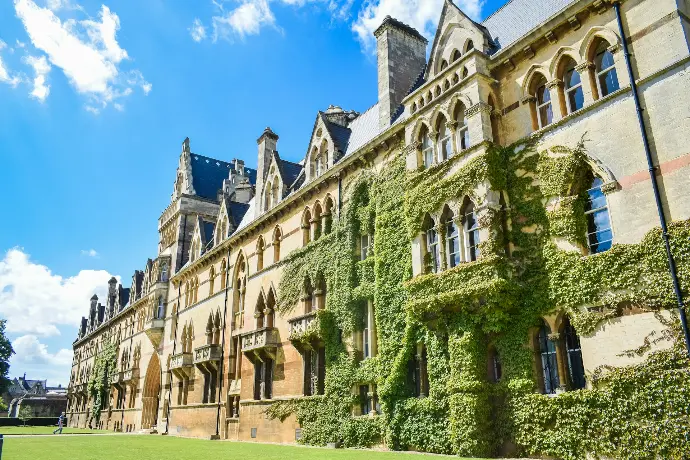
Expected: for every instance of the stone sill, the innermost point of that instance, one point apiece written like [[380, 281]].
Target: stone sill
[[194, 406]]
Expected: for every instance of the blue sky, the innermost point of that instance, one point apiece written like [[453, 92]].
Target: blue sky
[[96, 98]]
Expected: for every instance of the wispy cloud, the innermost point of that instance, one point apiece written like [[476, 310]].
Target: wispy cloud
[[5, 76], [423, 15], [197, 30], [41, 68], [86, 51], [249, 17], [90, 252], [246, 19]]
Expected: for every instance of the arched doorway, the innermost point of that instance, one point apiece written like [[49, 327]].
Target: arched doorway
[[152, 388]]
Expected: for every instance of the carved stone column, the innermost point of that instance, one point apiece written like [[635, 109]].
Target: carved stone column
[[555, 87], [586, 71]]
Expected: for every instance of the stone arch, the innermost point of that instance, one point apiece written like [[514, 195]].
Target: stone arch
[[151, 394], [459, 97], [534, 72], [563, 53], [590, 39], [417, 130], [435, 116]]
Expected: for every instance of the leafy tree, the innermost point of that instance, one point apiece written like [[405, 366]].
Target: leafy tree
[[25, 414], [6, 352]]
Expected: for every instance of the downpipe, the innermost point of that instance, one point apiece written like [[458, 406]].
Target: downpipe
[[655, 184]]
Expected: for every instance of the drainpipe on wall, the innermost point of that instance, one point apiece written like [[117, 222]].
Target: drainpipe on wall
[[655, 183], [222, 349]]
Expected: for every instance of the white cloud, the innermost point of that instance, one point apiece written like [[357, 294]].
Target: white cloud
[[89, 252], [423, 15], [86, 51], [36, 301], [41, 69], [5, 76], [197, 31], [32, 356], [246, 19]]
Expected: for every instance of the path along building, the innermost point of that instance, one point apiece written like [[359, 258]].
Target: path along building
[[447, 271]]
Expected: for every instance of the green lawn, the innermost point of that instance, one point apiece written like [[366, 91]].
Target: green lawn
[[41, 430], [145, 447]]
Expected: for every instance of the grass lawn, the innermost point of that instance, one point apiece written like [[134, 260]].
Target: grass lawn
[[40, 430], [145, 447]]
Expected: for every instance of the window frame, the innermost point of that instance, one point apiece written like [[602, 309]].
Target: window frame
[[590, 216], [600, 73], [544, 106], [572, 91]]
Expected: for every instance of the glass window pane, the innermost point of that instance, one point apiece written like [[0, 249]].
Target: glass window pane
[[576, 99], [545, 115]]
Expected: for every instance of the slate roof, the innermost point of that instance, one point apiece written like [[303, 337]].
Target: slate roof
[[363, 129], [207, 229], [339, 134], [237, 211], [517, 18], [290, 171], [208, 175]]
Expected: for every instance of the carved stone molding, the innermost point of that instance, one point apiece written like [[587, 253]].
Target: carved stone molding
[[584, 66], [616, 47], [555, 83], [528, 52], [478, 108], [610, 187], [412, 147], [574, 22]]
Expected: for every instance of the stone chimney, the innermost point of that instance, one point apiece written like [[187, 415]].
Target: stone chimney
[[268, 143], [401, 55], [239, 167]]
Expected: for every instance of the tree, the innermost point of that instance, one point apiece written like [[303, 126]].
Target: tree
[[25, 414], [6, 352]]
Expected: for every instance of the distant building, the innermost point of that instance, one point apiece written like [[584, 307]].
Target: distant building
[[44, 401]]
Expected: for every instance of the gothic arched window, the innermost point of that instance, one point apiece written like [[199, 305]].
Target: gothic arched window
[[605, 68], [599, 233], [548, 359]]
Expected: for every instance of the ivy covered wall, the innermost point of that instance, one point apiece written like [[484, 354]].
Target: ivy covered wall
[[492, 304]]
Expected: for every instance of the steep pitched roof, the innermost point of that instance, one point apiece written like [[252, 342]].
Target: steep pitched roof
[[288, 170], [440, 29], [518, 17], [208, 175], [339, 134], [363, 129], [237, 211]]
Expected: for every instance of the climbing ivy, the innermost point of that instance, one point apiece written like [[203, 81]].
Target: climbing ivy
[[99, 382], [634, 412]]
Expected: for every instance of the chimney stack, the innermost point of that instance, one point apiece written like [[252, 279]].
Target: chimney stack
[[268, 143], [401, 54]]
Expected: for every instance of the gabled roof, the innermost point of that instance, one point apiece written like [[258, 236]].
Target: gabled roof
[[287, 169], [517, 18], [339, 134], [207, 232], [208, 175], [237, 211], [363, 129], [440, 29]]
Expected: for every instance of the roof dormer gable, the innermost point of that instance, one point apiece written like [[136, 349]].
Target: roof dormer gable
[[456, 36]]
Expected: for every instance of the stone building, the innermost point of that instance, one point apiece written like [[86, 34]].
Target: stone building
[[464, 267], [44, 401]]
